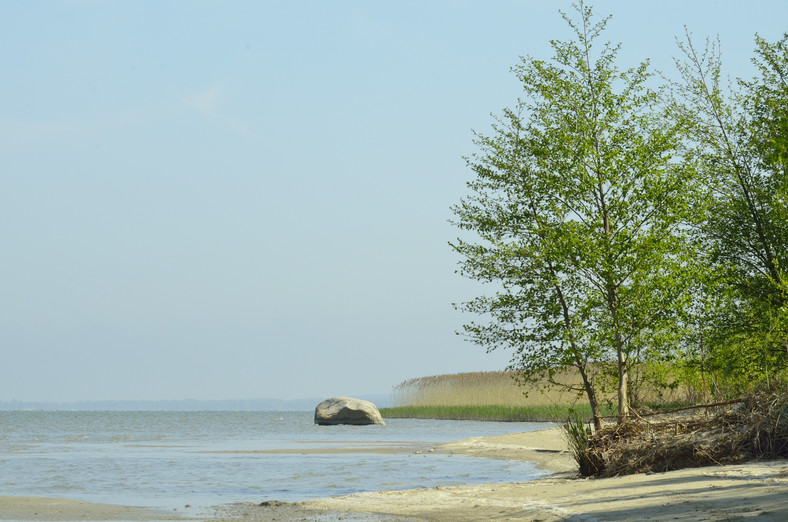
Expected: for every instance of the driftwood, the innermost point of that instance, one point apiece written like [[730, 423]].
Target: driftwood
[[722, 433]]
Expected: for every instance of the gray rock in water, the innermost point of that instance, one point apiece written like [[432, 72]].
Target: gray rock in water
[[345, 410]]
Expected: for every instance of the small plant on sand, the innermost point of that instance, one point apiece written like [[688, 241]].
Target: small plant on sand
[[577, 433]]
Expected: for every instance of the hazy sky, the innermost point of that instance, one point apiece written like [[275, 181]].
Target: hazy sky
[[220, 200]]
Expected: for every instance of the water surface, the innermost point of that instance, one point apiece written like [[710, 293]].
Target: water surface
[[171, 459]]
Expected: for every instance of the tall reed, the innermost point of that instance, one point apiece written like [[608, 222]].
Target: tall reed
[[480, 389], [542, 413]]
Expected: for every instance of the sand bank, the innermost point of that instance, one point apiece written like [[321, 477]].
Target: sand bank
[[711, 493], [545, 448], [39, 508], [719, 493], [737, 492]]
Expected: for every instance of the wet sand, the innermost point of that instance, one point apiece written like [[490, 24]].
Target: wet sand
[[715, 493], [40, 508], [737, 492]]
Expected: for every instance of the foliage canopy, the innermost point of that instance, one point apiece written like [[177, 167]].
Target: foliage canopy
[[580, 203], [739, 138]]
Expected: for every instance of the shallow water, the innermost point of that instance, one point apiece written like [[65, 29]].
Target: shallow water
[[171, 459]]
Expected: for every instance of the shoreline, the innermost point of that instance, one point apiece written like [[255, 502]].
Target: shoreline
[[700, 494], [717, 493], [697, 494]]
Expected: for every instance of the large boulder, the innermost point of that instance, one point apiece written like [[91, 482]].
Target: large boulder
[[345, 410]]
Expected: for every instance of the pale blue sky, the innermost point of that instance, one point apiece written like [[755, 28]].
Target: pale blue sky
[[220, 200]]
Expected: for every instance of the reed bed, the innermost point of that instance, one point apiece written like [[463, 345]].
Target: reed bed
[[479, 389], [493, 413], [484, 396]]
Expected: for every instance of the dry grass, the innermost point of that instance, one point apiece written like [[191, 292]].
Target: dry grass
[[500, 389], [481, 389]]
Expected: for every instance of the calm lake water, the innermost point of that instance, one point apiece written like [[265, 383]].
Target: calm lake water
[[171, 459]]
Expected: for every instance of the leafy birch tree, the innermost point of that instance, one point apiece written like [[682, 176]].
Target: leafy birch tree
[[575, 218]]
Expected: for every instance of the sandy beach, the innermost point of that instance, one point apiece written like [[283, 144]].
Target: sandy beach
[[710, 493], [716, 493], [39, 508]]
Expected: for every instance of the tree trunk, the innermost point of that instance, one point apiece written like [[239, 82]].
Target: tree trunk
[[623, 371], [623, 386], [592, 398], [587, 384]]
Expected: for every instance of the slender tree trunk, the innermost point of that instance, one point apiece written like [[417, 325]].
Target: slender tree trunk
[[587, 384], [623, 370], [593, 401], [610, 287], [623, 384], [703, 368]]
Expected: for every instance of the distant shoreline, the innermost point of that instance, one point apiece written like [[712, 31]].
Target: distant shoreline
[[264, 404]]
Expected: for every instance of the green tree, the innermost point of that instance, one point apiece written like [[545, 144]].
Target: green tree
[[740, 137], [578, 202]]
